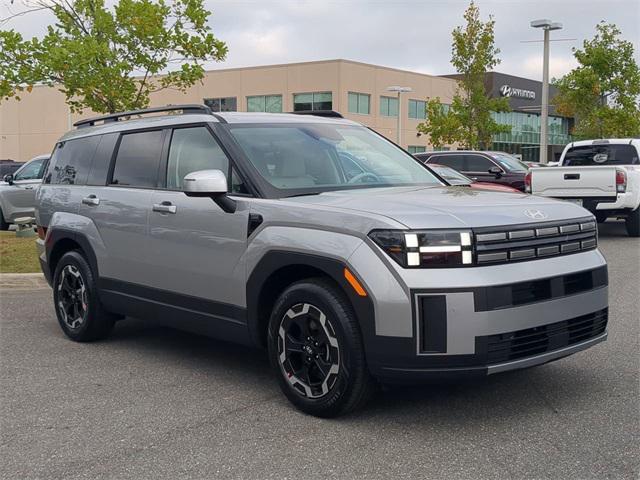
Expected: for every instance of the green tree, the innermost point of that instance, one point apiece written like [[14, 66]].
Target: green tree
[[111, 59], [468, 120], [603, 91]]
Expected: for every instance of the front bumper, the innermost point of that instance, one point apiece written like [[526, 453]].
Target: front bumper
[[480, 321]]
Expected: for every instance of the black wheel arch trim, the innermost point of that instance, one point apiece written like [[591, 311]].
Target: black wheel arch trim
[[333, 268], [56, 235]]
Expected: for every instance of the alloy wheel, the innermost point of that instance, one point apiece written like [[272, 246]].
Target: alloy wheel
[[308, 350], [72, 297]]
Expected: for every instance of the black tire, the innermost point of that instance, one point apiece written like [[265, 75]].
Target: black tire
[[601, 217], [3, 224], [633, 223], [81, 317], [347, 389]]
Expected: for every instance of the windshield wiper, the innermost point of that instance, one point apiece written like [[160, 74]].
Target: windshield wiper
[[303, 194]]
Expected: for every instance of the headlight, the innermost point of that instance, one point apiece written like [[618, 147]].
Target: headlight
[[430, 248]]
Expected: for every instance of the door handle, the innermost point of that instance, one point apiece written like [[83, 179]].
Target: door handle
[[29, 187], [572, 176], [91, 200], [164, 207]]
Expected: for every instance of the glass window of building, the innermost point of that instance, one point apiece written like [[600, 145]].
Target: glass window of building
[[389, 106], [312, 101], [445, 107], [416, 149], [223, 104], [359, 103], [417, 109], [265, 103]]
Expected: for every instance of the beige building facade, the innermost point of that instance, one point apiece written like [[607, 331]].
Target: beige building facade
[[31, 126]]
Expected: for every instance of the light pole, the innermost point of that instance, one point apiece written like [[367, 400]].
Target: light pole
[[547, 26], [400, 90]]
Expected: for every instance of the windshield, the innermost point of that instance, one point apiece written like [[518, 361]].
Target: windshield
[[510, 163], [311, 158], [450, 175]]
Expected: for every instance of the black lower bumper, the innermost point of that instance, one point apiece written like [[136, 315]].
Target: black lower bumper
[[493, 353]]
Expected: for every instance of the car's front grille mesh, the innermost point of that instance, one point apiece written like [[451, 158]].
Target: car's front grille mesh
[[535, 341], [529, 242]]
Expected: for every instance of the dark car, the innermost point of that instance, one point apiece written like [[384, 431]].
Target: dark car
[[492, 167], [8, 166]]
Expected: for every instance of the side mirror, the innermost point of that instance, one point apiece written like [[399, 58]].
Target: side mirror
[[8, 178], [497, 171], [212, 184]]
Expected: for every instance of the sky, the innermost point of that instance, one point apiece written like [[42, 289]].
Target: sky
[[408, 34]]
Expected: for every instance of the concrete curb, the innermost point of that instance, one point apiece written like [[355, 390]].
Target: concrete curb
[[22, 281]]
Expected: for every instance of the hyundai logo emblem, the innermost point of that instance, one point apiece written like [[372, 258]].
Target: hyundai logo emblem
[[505, 90], [535, 214]]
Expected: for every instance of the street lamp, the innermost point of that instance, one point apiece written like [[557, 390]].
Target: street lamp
[[547, 26], [400, 90]]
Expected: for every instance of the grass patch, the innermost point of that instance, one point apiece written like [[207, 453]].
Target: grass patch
[[18, 255]]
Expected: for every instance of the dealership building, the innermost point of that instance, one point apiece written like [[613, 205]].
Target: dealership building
[[357, 90]]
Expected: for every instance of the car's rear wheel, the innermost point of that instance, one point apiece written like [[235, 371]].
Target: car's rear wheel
[[633, 223], [4, 225], [75, 297], [316, 349]]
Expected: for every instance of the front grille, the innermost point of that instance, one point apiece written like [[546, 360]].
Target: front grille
[[528, 242], [505, 347]]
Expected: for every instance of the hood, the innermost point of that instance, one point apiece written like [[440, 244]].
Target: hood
[[446, 207]]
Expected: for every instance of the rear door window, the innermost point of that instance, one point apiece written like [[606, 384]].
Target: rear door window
[[594, 155], [454, 161], [138, 159], [71, 161]]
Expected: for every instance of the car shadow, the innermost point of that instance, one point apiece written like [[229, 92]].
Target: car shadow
[[505, 395], [612, 228]]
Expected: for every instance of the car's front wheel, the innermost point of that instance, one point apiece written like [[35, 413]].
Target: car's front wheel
[[316, 349], [75, 297]]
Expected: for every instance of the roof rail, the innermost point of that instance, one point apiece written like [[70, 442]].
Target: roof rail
[[116, 117], [320, 113]]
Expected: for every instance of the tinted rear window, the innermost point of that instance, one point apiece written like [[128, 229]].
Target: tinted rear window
[[71, 161], [594, 155], [138, 159]]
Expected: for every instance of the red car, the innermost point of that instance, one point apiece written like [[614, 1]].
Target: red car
[[455, 178]]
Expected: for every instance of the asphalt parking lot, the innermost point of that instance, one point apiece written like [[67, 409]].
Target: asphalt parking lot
[[155, 403]]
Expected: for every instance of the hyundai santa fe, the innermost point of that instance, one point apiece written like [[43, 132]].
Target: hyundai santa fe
[[259, 229]]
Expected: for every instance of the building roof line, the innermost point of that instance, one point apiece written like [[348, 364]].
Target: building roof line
[[316, 62]]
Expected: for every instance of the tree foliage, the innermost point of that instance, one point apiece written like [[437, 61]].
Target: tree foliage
[[111, 59], [603, 91], [468, 120]]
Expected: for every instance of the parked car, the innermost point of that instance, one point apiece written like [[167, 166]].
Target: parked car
[[455, 178], [601, 175], [17, 191], [492, 167], [246, 227], [9, 166]]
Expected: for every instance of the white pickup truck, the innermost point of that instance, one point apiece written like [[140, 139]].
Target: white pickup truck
[[601, 175]]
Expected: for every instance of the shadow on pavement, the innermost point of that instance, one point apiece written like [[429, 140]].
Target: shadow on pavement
[[506, 395]]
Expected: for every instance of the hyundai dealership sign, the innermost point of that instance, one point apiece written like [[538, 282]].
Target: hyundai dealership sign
[[509, 91]]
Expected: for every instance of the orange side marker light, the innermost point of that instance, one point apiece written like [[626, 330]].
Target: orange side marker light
[[355, 284]]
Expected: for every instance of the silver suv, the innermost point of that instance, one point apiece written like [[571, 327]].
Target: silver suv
[[317, 238], [18, 191]]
